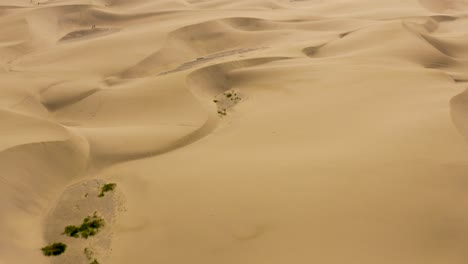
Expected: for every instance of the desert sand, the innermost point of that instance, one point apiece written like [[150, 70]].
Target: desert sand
[[236, 131]]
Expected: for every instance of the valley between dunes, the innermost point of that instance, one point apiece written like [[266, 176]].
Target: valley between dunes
[[236, 131]]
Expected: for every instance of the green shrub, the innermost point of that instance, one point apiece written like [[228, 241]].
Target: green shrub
[[94, 262], [72, 231], [89, 227], [54, 249], [107, 188]]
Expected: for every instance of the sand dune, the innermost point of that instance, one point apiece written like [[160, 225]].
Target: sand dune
[[248, 131]]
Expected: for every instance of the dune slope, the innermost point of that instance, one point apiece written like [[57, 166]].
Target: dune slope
[[249, 131]]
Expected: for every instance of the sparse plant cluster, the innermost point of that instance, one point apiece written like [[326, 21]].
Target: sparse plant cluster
[[107, 188], [226, 100], [89, 253], [89, 227], [222, 111], [54, 249], [232, 95]]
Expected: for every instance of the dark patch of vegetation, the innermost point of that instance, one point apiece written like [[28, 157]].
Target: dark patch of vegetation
[[94, 262], [107, 188], [222, 111], [89, 227], [54, 249], [72, 231], [226, 99], [232, 95]]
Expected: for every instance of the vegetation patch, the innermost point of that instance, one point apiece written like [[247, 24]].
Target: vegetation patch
[[232, 95], [222, 112], [107, 188], [94, 262], [89, 227], [54, 249], [225, 101]]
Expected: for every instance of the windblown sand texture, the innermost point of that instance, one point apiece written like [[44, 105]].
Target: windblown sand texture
[[237, 131]]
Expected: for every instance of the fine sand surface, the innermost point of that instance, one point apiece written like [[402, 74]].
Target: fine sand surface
[[237, 131]]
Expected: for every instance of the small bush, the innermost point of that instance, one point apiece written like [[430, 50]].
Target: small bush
[[54, 249], [94, 262], [89, 227], [107, 188], [72, 231], [222, 112], [232, 95]]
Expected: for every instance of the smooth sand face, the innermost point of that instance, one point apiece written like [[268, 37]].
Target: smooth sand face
[[248, 131]]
